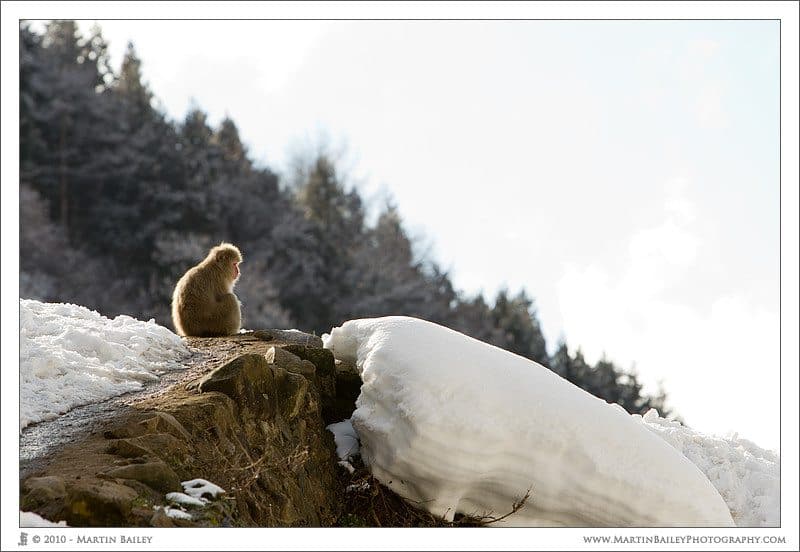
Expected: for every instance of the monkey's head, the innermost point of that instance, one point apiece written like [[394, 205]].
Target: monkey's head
[[226, 256]]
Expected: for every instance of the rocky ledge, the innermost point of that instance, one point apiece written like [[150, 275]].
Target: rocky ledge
[[250, 418]]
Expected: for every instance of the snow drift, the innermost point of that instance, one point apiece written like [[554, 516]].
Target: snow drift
[[746, 476], [459, 426], [70, 356]]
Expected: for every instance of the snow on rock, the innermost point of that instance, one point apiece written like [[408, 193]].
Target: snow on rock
[[746, 476], [32, 519], [186, 500], [70, 356], [174, 513], [194, 496], [456, 425], [198, 488]]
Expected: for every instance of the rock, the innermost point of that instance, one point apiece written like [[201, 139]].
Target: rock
[[160, 445], [289, 336], [325, 381], [127, 449], [245, 379], [321, 358], [165, 423], [156, 475], [161, 519], [98, 504], [291, 362], [261, 388], [124, 431], [40, 492], [291, 391]]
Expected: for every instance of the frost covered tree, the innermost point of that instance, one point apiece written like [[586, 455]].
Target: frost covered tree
[[62, 105], [50, 268], [335, 223], [389, 278]]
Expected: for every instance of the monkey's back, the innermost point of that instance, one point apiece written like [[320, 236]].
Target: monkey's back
[[194, 304]]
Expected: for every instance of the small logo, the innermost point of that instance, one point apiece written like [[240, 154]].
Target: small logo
[[23, 539], [36, 539]]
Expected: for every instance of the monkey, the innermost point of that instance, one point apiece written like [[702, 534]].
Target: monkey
[[203, 303]]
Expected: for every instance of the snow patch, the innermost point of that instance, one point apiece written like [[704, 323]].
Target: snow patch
[[457, 425], [346, 439], [186, 500], [197, 488], [194, 496], [746, 476], [71, 356], [32, 519], [174, 513]]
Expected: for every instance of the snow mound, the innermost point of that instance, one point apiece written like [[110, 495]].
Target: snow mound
[[70, 356], [458, 426], [746, 476], [32, 519]]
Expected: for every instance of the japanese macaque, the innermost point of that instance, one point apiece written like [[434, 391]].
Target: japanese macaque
[[203, 303]]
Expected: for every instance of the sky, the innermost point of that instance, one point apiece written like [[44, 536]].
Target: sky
[[625, 174]]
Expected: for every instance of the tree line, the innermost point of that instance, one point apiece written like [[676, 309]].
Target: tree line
[[117, 201]]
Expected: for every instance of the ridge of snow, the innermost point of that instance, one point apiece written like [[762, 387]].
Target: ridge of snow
[[459, 426]]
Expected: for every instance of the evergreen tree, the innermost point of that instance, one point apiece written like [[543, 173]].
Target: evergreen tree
[[61, 107], [473, 317], [387, 278], [233, 151], [518, 327], [335, 220]]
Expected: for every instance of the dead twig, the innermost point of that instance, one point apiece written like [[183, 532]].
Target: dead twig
[[487, 519]]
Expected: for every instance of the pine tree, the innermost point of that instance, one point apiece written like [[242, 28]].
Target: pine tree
[[335, 219], [233, 151], [61, 106], [387, 279], [518, 327]]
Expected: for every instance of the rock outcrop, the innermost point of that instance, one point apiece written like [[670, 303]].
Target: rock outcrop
[[251, 421]]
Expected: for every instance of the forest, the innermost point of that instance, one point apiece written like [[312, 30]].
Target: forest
[[117, 201]]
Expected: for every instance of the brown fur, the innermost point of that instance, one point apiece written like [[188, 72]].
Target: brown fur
[[203, 303]]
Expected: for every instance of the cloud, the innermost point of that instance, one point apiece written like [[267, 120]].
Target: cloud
[[711, 361]]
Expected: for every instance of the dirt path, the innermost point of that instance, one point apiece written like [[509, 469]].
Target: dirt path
[[38, 441]]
